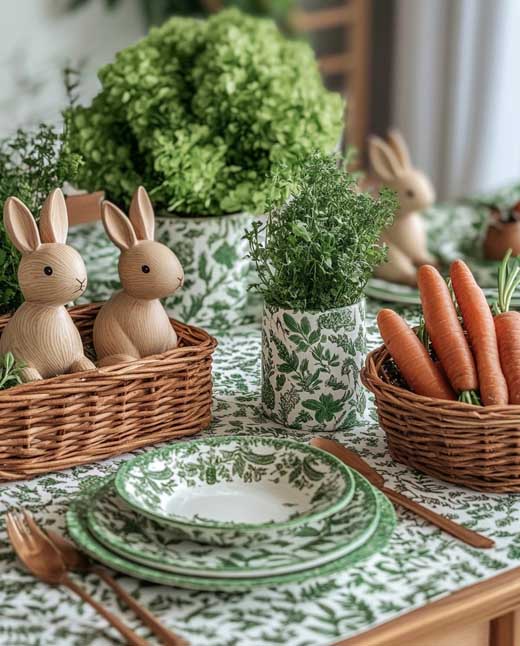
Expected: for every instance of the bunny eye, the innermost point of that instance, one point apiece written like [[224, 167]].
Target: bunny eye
[[145, 269], [410, 193], [47, 270]]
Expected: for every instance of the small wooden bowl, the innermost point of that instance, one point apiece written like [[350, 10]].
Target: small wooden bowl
[[502, 235], [499, 238]]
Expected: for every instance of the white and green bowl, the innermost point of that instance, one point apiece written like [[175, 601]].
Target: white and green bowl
[[234, 490]]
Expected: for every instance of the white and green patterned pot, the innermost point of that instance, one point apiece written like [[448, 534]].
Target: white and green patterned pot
[[311, 363], [212, 251]]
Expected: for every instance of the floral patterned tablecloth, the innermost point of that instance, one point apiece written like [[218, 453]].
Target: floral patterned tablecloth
[[420, 564]]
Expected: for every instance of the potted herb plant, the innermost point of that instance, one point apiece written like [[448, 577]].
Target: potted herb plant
[[314, 256], [203, 113]]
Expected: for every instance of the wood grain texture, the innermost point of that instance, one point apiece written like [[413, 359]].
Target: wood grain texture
[[406, 237], [41, 333], [85, 207], [355, 461], [358, 69], [473, 605], [133, 323], [503, 630]]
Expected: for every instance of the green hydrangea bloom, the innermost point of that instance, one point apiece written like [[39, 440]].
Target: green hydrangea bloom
[[203, 113]]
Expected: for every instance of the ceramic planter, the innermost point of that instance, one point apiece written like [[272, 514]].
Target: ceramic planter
[[499, 238], [311, 362], [212, 251]]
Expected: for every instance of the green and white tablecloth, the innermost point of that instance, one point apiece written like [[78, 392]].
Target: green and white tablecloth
[[420, 564]]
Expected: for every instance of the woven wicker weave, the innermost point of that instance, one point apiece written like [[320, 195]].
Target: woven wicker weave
[[73, 419], [472, 446]]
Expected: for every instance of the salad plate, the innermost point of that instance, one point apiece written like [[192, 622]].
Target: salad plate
[[384, 290], [235, 490], [78, 530], [140, 539]]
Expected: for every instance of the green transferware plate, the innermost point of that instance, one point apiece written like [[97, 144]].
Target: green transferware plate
[[383, 290], [140, 539], [235, 490], [77, 527]]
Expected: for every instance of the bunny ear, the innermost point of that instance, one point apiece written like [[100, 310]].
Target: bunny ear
[[398, 145], [21, 226], [142, 215], [54, 221], [118, 226], [384, 160]]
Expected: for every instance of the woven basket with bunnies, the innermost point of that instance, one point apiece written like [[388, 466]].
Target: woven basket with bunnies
[[448, 392], [152, 381]]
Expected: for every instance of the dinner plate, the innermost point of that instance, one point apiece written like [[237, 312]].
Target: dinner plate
[[234, 490], [78, 530], [384, 290], [140, 539]]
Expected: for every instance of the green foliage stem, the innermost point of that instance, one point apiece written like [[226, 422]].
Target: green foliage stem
[[10, 371], [31, 165], [318, 250], [203, 112]]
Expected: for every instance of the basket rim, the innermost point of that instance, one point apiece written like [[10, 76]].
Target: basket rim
[[206, 347], [373, 380]]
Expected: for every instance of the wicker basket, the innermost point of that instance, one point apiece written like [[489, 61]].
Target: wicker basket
[[468, 445], [73, 419]]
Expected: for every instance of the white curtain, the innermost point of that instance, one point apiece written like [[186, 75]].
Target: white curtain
[[457, 91]]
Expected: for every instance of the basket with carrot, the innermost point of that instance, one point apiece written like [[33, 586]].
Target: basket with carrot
[[448, 392]]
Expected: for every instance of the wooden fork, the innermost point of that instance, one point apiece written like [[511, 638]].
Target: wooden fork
[[74, 559], [43, 560]]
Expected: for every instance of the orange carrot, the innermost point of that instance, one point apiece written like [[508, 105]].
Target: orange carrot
[[411, 357], [479, 324], [446, 334], [507, 326]]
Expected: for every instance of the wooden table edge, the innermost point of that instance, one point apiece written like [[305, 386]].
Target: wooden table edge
[[485, 601]]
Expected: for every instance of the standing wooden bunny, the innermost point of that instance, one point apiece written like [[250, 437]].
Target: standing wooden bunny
[[406, 237], [41, 332], [133, 323]]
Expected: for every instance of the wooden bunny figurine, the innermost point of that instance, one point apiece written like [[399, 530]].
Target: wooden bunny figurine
[[133, 323], [406, 237], [41, 332]]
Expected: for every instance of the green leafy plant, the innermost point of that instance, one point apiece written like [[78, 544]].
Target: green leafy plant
[[202, 113], [317, 251], [10, 371], [31, 165]]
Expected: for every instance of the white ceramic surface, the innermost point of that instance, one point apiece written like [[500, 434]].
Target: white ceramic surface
[[231, 490]]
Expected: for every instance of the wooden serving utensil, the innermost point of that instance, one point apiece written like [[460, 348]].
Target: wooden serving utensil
[[356, 462], [43, 560], [78, 561]]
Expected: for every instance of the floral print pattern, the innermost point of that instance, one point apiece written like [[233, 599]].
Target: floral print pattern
[[310, 367]]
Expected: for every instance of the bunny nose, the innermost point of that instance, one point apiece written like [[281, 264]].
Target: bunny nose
[[81, 284]]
